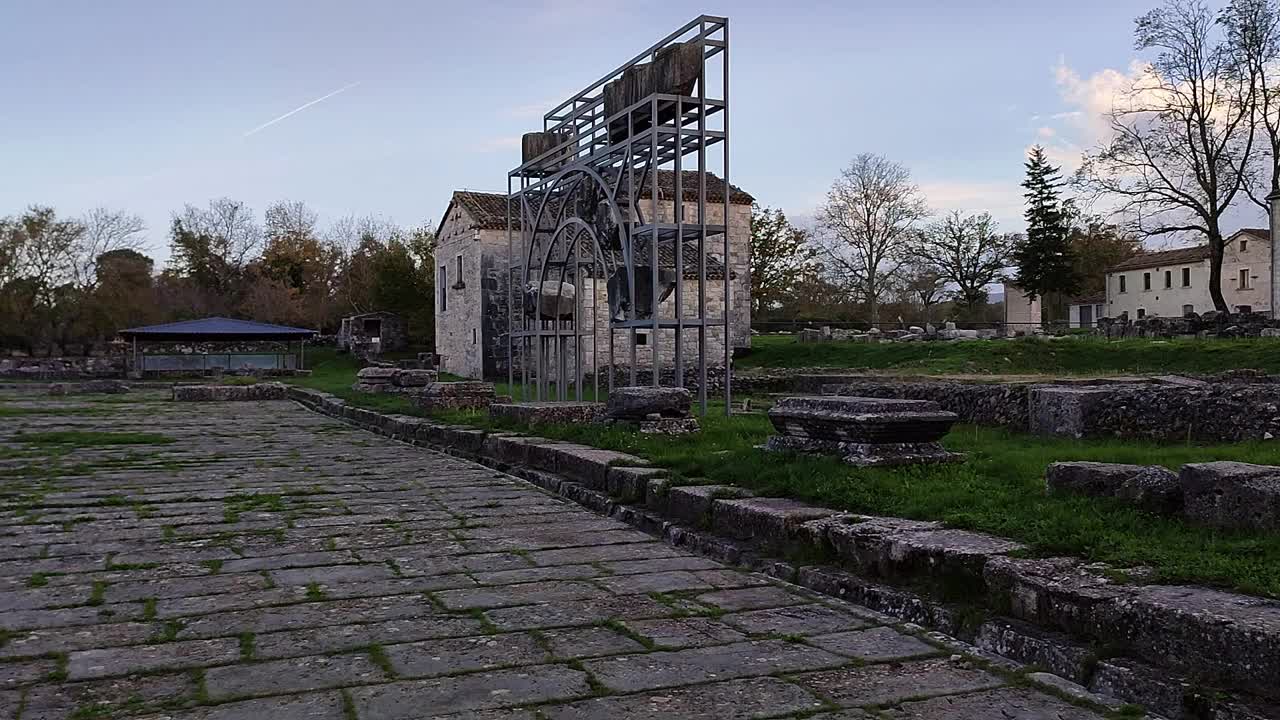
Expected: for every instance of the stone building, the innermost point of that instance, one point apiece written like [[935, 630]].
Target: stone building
[[472, 276], [1173, 283], [373, 333], [1021, 313]]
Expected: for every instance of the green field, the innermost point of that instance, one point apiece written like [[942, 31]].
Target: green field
[[1000, 489], [1072, 356]]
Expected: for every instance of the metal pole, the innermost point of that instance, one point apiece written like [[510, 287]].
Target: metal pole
[[702, 221], [655, 363], [678, 210], [728, 341]]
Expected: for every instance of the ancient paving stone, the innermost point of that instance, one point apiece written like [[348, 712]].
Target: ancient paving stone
[[550, 615], [1009, 703], [655, 582], [534, 574], [22, 673], [292, 675], [874, 645], [108, 698], [478, 691], [574, 643], [309, 641], [887, 684], [311, 706], [809, 619], [678, 633], [124, 661], [682, 667], [448, 656], [750, 598], [524, 594], [646, 550], [733, 700]]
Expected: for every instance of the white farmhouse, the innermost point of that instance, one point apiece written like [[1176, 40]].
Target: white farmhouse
[[1173, 283]]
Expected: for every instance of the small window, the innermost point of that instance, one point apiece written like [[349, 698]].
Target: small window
[[473, 336], [1141, 313], [642, 338], [459, 268], [1244, 279], [443, 283], [1146, 281], [1244, 245], [1186, 277], [1188, 310], [1168, 278], [1122, 283]]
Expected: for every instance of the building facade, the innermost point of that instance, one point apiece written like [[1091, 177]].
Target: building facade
[[1173, 283], [473, 279], [1021, 313]]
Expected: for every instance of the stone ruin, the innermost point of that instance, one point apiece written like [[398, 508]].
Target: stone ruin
[[865, 432], [462, 395], [97, 387], [654, 410], [1227, 495], [912, 333], [1202, 325], [393, 380]]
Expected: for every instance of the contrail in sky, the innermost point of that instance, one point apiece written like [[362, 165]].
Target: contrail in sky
[[298, 109]]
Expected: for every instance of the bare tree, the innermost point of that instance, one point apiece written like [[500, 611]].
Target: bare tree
[[869, 213], [1253, 36], [213, 245], [968, 251], [290, 220], [1181, 133], [922, 285], [105, 231]]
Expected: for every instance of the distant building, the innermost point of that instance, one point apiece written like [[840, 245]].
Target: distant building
[[1021, 313], [373, 333], [1084, 310], [1173, 283], [472, 321]]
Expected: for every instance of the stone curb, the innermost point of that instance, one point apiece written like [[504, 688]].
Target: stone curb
[[1165, 647]]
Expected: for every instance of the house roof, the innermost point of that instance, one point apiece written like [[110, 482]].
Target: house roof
[[217, 328], [1178, 256], [1183, 256], [489, 210], [375, 313], [1089, 299]]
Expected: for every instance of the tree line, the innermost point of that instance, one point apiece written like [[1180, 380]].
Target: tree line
[[68, 284], [876, 246]]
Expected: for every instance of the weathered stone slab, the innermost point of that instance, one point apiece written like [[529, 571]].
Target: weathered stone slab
[[432, 658], [693, 503], [85, 664], [1232, 495], [775, 520], [639, 402], [886, 684], [768, 596], [293, 675], [461, 395], [860, 420], [377, 375], [682, 667], [1006, 703], [414, 378], [311, 706], [464, 693], [874, 645], [562, 413], [675, 633], [733, 700], [1151, 487], [812, 619], [230, 393]]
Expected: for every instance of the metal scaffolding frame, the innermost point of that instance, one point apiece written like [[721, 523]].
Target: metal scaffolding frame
[[574, 218]]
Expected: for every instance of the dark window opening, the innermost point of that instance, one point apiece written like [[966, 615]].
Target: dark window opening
[[1121, 283], [1186, 277], [373, 327], [1168, 278], [1141, 313], [444, 283], [1146, 281]]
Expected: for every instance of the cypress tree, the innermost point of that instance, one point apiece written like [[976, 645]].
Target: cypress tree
[[1044, 257]]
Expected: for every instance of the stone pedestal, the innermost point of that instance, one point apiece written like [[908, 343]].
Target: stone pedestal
[[639, 402], [866, 432], [549, 412]]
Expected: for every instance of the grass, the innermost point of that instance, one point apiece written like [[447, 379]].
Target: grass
[[91, 438], [1080, 356], [999, 489]]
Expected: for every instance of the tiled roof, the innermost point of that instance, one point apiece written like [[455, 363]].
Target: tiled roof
[[1262, 233], [217, 328], [1178, 256], [489, 210], [1088, 299]]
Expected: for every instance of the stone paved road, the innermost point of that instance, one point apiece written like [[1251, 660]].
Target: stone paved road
[[273, 563]]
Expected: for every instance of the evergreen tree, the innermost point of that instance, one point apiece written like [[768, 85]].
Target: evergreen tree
[[1044, 257]]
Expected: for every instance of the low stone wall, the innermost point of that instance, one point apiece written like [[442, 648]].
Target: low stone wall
[[1173, 649], [1004, 405], [62, 368], [1166, 413], [230, 393]]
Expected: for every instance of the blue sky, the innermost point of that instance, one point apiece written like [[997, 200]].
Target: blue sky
[[147, 105]]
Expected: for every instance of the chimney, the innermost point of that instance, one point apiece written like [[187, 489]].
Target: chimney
[[1273, 205]]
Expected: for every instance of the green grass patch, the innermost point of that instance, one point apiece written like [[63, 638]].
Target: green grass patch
[[1032, 356], [91, 438]]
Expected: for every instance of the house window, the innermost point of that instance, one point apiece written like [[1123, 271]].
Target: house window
[[642, 338], [1244, 279], [459, 268], [1141, 313], [1186, 277], [1244, 245], [1188, 310], [1121, 283], [473, 336], [444, 284], [1146, 281], [1168, 279]]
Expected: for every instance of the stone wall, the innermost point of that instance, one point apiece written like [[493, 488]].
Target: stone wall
[[62, 368], [1000, 404], [1167, 413]]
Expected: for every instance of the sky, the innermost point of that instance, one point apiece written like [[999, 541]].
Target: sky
[[384, 107]]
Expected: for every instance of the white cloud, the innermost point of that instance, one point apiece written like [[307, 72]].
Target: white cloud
[[1046, 132], [499, 144], [1003, 200]]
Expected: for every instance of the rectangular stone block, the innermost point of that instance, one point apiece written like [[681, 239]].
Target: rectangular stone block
[[1153, 488], [691, 504], [1065, 411], [1232, 495], [549, 412], [769, 520]]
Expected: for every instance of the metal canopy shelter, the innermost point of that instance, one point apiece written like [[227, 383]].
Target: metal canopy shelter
[[574, 215], [218, 329]]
